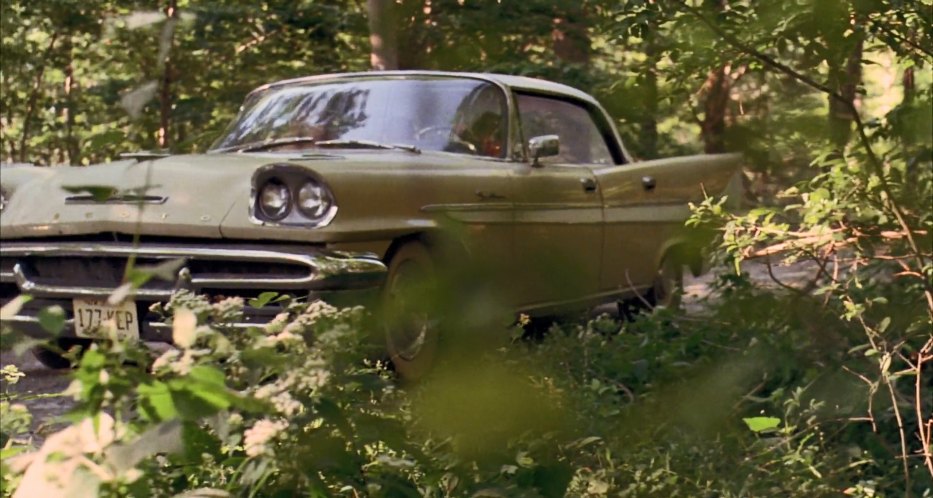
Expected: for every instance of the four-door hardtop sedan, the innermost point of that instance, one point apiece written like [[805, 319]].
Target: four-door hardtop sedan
[[346, 182]]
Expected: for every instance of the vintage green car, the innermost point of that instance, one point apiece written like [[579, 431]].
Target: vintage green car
[[337, 183]]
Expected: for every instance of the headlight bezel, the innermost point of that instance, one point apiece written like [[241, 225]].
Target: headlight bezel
[[293, 178]]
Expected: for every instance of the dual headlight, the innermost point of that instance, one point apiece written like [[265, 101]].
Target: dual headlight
[[291, 196]]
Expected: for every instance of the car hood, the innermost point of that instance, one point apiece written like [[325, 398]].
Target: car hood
[[184, 196], [205, 195]]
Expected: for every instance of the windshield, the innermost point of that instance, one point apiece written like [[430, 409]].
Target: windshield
[[441, 114]]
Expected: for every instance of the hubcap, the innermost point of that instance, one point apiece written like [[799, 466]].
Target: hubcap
[[409, 325]]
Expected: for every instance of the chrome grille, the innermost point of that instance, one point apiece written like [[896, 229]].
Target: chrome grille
[[98, 268]]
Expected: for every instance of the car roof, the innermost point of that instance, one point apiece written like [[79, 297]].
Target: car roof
[[511, 81]]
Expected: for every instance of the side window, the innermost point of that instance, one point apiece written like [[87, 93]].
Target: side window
[[581, 141], [479, 125]]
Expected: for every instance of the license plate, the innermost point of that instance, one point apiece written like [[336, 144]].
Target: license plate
[[90, 315]]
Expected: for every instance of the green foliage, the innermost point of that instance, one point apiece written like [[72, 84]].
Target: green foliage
[[660, 406], [817, 389], [84, 81]]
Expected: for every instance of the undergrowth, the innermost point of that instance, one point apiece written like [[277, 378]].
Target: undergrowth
[[747, 400]]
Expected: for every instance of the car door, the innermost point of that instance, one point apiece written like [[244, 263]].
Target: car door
[[558, 210], [646, 204]]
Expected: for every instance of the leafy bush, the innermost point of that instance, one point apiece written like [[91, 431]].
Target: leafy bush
[[744, 402]]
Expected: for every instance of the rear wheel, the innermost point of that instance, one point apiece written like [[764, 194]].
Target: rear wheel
[[668, 284], [54, 359], [411, 334]]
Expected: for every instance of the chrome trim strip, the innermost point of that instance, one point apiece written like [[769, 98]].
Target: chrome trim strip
[[166, 251], [143, 155], [162, 326], [6, 277], [592, 298], [474, 206], [117, 199], [325, 270], [651, 213], [661, 203], [32, 320], [155, 326], [558, 206], [32, 288]]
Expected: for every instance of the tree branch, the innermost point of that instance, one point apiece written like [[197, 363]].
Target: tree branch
[[874, 162]]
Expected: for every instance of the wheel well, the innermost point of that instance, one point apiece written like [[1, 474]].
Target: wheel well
[[685, 253], [401, 241], [438, 245]]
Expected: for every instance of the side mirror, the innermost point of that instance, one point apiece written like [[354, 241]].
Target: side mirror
[[543, 146]]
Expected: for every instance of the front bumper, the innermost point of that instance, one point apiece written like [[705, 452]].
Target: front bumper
[[58, 272]]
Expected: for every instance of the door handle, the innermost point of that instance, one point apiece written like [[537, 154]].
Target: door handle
[[589, 185], [648, 182], [488, 195]]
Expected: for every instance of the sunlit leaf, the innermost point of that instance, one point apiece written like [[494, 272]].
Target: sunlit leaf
[[100, 193], [762, 424], [104, 139], [52, 319], [164, 438]]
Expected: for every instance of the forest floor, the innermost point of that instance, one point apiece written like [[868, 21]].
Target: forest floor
[[40, 390]]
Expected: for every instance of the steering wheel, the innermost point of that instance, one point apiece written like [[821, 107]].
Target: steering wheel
[[443, 131], [455, 143]]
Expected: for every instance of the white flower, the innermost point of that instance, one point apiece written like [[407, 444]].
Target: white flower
[[257, 438], [266, 391], [277, 324], [95, 435], [313, 378], [184, 328], [320, 308], [74, 389], [235, 419], [285, 404], [165, 360], [184, 364], [228, 308], [286, 337]]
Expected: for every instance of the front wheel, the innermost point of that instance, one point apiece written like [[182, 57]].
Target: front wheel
[[411, 335]]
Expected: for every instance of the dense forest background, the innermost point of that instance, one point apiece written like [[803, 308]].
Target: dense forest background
[[84, 80], [813, 389]]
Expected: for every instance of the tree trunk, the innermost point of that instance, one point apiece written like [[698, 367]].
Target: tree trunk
[[845, 81], [570, 37], [382, 34], [5, 122], [715, 108], [648, 131], [165, 88], [909, 84], [34, 98], [717, 87], [71, 144]]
